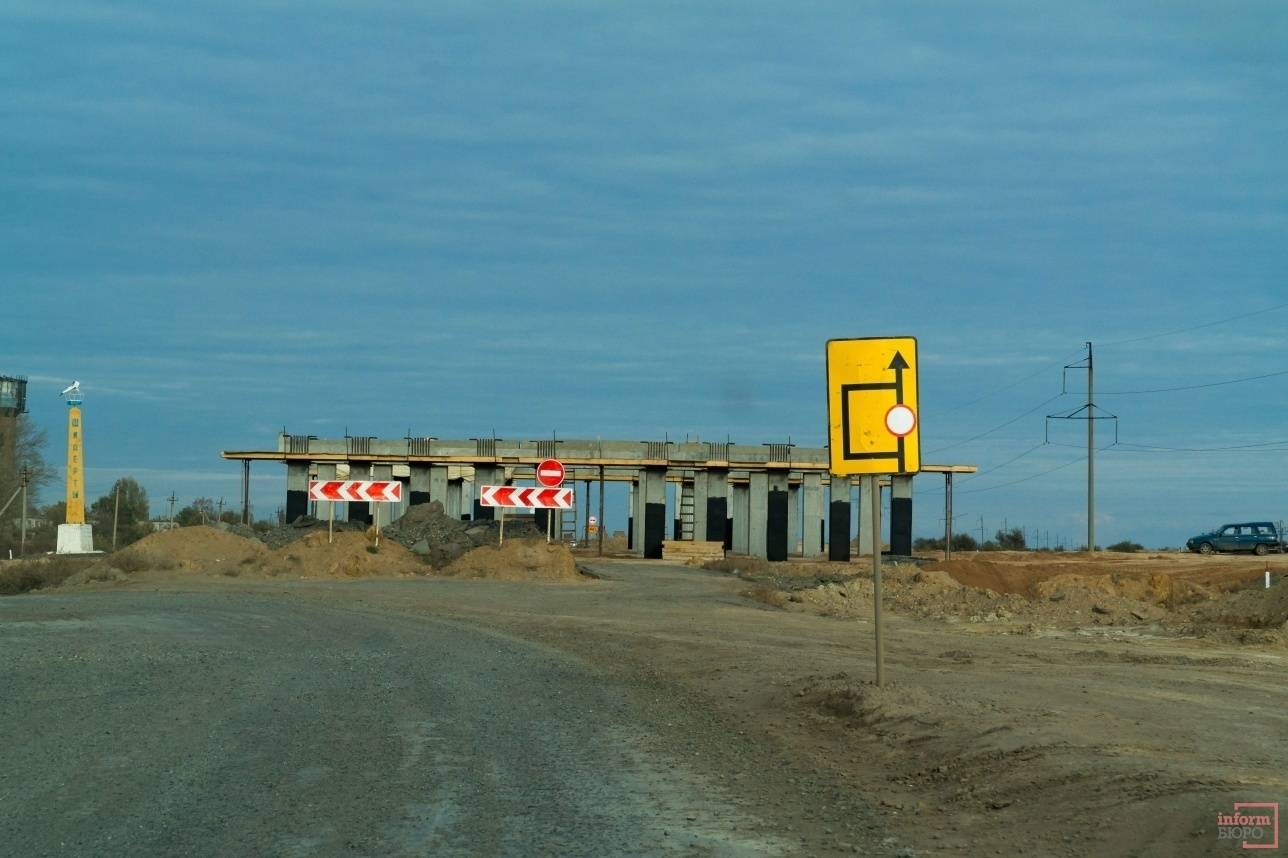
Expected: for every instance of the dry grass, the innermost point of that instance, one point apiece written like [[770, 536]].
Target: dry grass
[[26, 575], [771, 596], [128, 560]]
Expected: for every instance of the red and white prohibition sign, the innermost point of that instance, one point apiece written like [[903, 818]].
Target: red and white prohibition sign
[[550, 473], [900, 420]]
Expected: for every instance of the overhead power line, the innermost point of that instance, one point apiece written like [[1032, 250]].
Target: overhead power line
[[1268, 447], [1196, 327], [1275, 374], [996, 428], [1026, 479]]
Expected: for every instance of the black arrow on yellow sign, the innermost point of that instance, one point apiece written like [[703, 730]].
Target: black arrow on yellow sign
[[898, 364]]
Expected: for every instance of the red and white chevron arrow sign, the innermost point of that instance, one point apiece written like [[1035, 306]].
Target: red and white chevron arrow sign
[[380, 491], [525, 497]]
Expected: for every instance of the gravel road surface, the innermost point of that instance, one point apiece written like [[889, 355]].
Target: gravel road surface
[[227, 723]]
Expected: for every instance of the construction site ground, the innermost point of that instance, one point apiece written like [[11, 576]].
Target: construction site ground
[[1107, 705]]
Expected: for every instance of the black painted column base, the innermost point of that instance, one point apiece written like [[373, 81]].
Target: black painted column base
[[776, 526], [297, 504], [901, 527], [360, 511], [717, 516], [838, 543], [654, 529]]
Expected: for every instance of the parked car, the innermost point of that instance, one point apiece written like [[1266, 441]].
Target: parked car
[[1259, 537]]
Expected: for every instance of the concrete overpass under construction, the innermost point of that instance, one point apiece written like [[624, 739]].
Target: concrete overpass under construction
[[768, 500]]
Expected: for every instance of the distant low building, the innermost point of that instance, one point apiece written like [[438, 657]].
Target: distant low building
[[159, 525]]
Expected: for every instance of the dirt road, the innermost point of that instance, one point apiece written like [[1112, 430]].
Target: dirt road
[[300, 722], [655, 711]]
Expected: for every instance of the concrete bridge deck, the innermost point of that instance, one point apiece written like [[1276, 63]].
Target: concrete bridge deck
[[763, 500]]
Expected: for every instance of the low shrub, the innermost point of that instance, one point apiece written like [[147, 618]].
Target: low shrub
[[27, 575]]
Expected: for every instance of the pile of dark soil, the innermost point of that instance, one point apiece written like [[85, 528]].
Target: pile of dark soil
[[441, 539], [284, 535]]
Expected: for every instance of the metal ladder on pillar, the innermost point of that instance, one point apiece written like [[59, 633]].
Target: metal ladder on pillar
[[686, 490], [568, 519]]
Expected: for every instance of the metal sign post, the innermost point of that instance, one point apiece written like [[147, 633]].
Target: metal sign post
[[874, 430], [375, 492], [501, 540], [874, 499]]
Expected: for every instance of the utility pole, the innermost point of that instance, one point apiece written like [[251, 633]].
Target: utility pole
[[116, 513], [172, 499], [220, 516], [1091, 452], [1088, 412], [981, 531], [22, 539]]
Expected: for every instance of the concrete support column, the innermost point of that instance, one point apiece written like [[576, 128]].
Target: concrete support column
[[740, 538], [297, 490], [633, 515], [901, 515], [323, 509], [653, 493], [387, 510], [438, 484], [700, 484], [719, 525], [485, 475], [865, 515], [777, 515], [793, 519], [758, 518], [812, 544], [455, 491], [359, 511], [838, 520], [419, 490]]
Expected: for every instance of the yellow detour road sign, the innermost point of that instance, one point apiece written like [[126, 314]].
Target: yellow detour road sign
[[872, 418]]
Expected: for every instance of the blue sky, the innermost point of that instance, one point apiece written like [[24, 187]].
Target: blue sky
[[626, 220]]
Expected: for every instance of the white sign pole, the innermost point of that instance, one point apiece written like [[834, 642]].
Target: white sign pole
[[501, 541]]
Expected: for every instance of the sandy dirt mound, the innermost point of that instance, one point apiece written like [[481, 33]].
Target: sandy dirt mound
[[1223, 600], [1133, 576], [1254, 608], [518, 560], [190, 549], [934, 594], [352, 555]]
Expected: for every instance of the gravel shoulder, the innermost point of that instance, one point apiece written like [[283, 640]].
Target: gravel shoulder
[[1069, 741]]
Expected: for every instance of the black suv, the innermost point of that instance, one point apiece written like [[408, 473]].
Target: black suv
[[1259, 537]]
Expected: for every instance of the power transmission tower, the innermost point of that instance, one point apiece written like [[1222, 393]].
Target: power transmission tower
[[1089, 413]]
